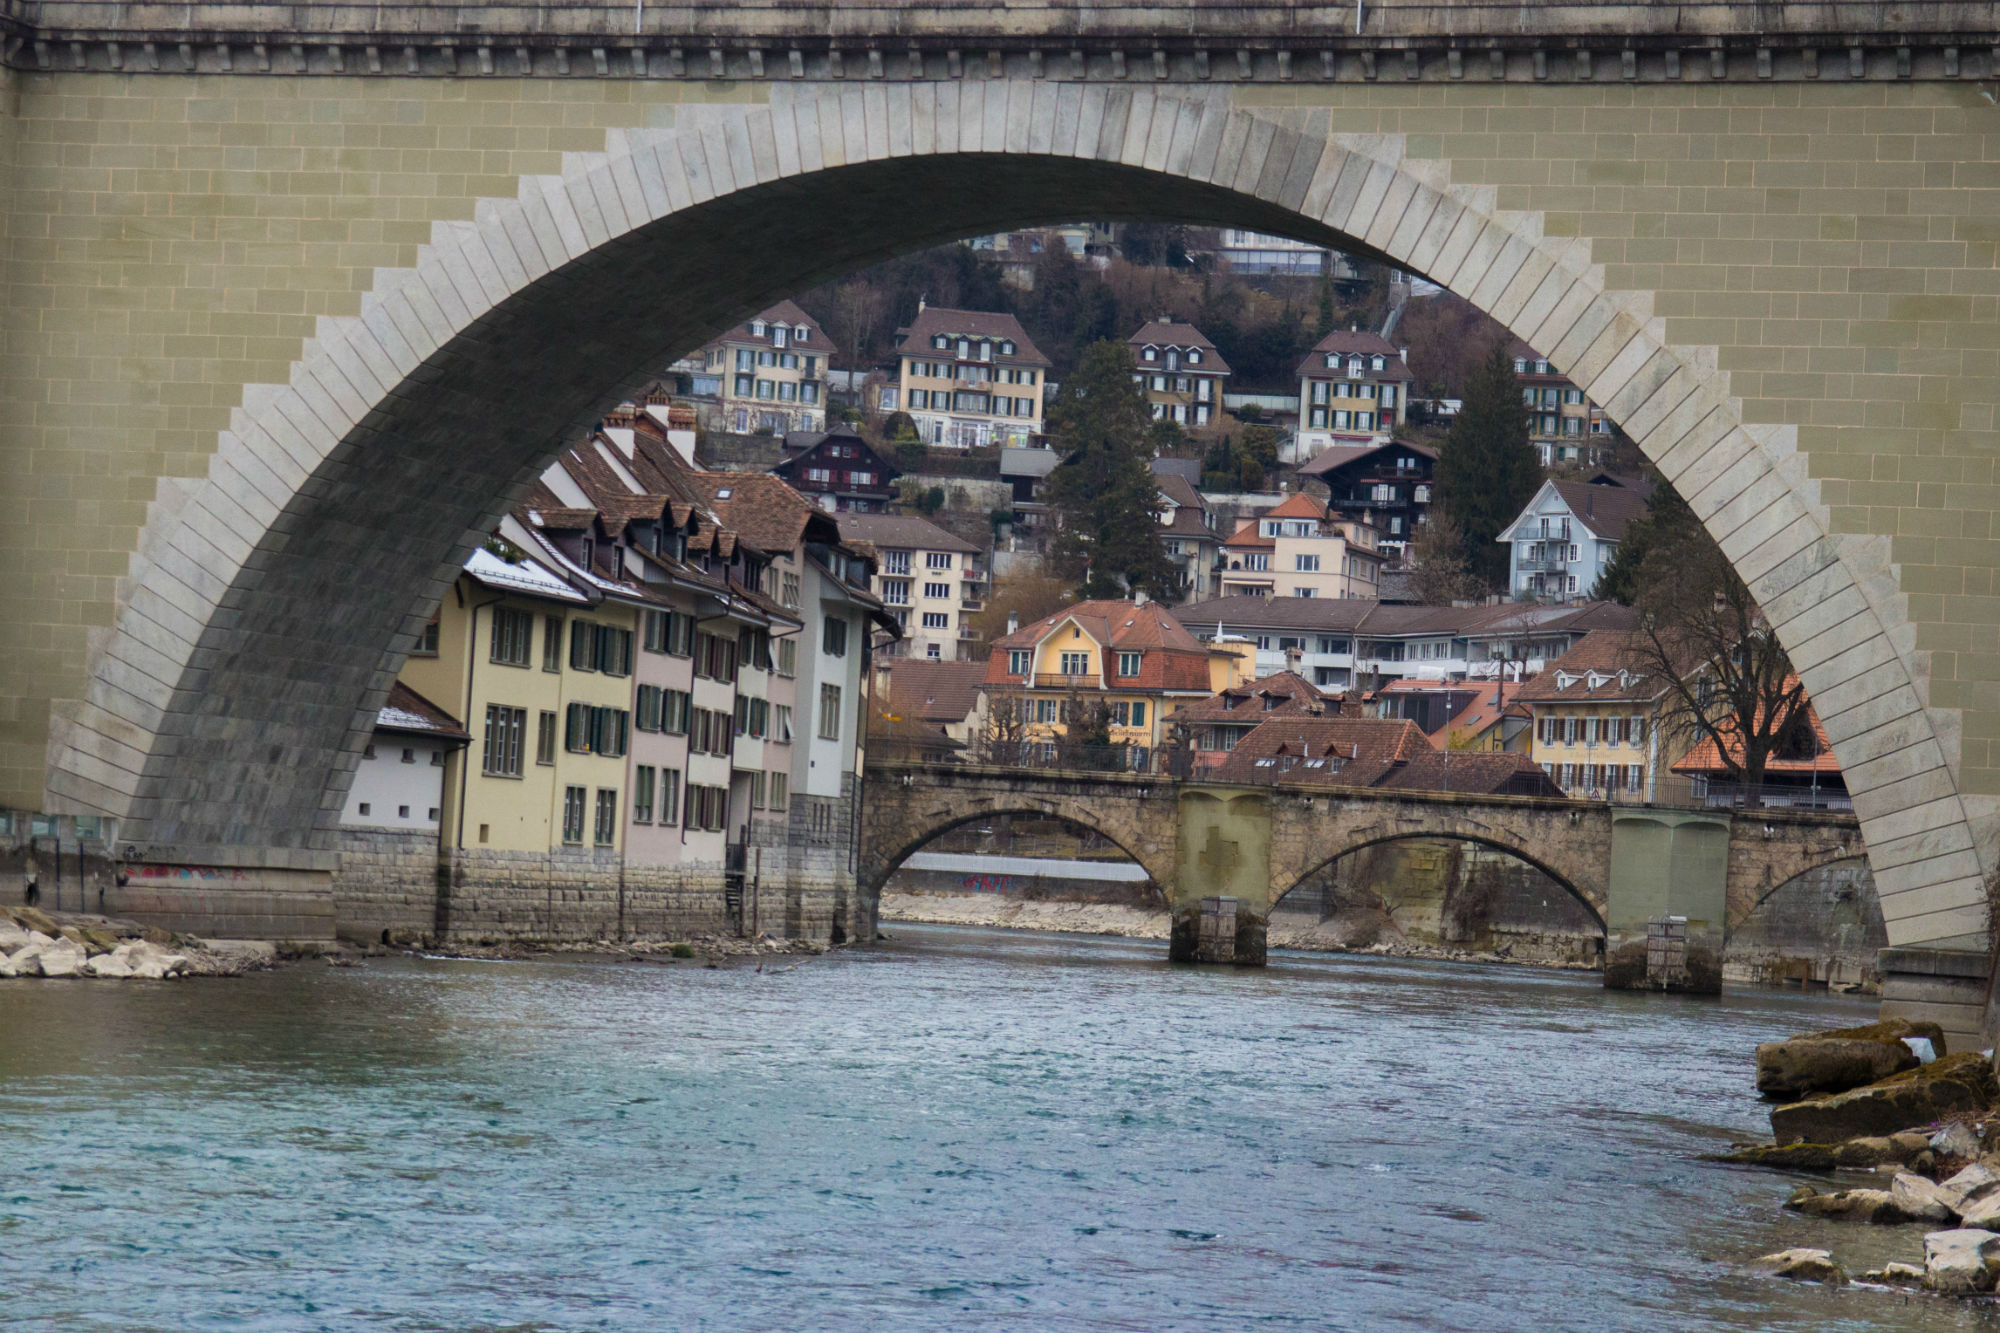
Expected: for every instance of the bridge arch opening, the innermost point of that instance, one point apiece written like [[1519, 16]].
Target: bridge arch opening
[[270, 605], [1428, 893], [1024, 868], [1823, 927]]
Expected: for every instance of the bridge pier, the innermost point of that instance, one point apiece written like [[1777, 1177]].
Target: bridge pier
[[1667, 901], [1222, 889], [1949, 987]]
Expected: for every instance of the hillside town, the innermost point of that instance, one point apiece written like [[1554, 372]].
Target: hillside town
[[669, 663]]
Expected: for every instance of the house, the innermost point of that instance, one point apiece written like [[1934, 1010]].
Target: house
[[1026, 470], [968, 378], [1213, 726], [1595, 721], [1382, 753], [769, 372], [1298, 549], [399, 786], [1386, 486], [838, 470], [927, 579], [1354, 390], [1256, 252], [1341, 644], [1561, 544], [1133, 657], [1187, 530], [1180, 372], [944, 695], [1464, 715], [1802, 774], [1564, 426]]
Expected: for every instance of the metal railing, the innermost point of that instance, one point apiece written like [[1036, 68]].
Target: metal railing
[[1052, 680]]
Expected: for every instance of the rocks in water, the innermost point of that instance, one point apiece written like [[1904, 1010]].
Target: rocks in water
[[1803, 1265], [1919, 1096], [149, 961], [1803, 1066], [35, 920], [62, 958], [1873, 1206], [1897, 1275], [1922, 1200], [12, 936], [1785, 1156], [109, 965], [1962, 1262], [1957, 1139]]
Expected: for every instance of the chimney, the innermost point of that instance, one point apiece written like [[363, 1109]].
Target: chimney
[[1295, 659], [1404, 352], [920, 305], [1013, 621], [1139, 598]]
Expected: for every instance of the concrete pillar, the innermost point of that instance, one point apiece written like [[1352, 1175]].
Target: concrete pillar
[[1669, 882], [1948, 987], [1223, 880]]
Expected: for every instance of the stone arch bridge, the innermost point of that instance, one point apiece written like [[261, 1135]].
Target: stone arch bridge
[[273, 275], [1255, 844]]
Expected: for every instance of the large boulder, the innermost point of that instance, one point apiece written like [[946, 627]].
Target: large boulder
[[1804, 1265], [12, 937], [64, 958], [1923, 1200], [150, 962], [108, 965], [1840, 1058], [1876, 1206], [1902, 1101], [35, 920], [1963, 1261]]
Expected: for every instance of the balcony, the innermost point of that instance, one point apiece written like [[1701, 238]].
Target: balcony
[[1538, 564], [971, 604], [1053, 680]]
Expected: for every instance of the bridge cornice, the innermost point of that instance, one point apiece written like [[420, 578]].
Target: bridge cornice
[[1180, 41]]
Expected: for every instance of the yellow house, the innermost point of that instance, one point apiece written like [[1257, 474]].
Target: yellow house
[[1595, 721], [1133, 657]]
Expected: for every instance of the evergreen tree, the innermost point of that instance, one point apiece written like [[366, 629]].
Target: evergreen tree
[[1487, 471], [1327, 318], [1104, 496]]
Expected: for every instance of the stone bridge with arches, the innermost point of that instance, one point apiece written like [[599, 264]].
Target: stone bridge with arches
[[1255, 844], [300, 298]]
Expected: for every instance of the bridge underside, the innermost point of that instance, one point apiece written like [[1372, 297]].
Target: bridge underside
[[267, 335]]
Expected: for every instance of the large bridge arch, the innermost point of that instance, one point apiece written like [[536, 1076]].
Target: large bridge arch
[[1590, 894], [264, 608]]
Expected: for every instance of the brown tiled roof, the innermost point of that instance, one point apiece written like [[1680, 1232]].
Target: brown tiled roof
[[1352, 751], [901, 532], [757, 506], [1366, 344], [937, 691], [1706, 757], [1324, 615], [1281, 694], [1600, 655], [932, 320], [1172, 333], [788, 313], [1605, 510], [1189, 508], [1173, 659], [1479, 772], [1249, 532]]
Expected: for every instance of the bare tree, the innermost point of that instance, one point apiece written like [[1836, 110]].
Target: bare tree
[[1439, 566], [1701, 633]]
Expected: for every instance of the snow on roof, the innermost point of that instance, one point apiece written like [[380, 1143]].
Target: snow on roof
[[524, 577]]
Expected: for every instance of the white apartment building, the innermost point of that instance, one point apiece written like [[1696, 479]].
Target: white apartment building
[[1299, 550], [929, 580], [1565, 539]]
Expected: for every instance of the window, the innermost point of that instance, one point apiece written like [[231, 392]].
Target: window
[[1307, 564], [895, 562], [788, 657], [545, 738], [937, 620], [427, 642], [607, 816], [572, 828], [643, 779], [1017, 661], [829, 712], [504, 730], [1139, 713], [1075, 664], [1128, 664], [513, 636], [647, 706], [779, 791], [938, 591], [1305, 592], [937, 559], [614, 650], [833, 638], [582, 645], [670, 795], [782, 723]]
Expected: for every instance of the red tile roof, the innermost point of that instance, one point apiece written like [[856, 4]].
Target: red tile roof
[[1589, 672], [1281, 694], [1172, 659], [1373, 752]]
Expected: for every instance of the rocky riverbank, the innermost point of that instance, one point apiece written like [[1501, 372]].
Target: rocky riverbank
[[1010, 913], [713, 950], [65, 945], [1887, 1100]]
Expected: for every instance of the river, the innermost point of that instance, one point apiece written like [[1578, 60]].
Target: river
[[958, 1129]]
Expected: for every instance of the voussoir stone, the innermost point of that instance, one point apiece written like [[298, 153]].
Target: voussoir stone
[[1915, 1097]]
